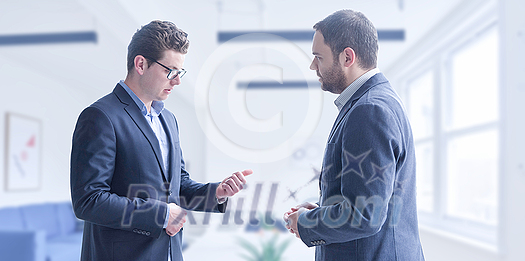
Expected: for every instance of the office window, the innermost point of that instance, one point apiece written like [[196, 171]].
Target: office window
[[472, 130], [421, 92], [421, 114], [454, 111], [472, 176], [425, 176], [472, 96]]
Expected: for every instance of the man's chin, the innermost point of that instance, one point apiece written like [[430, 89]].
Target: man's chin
[[326, 88]]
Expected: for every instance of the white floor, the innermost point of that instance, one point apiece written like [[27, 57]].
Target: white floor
[[218, 242]]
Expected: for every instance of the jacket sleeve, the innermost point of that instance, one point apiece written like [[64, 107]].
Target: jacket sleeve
[[92, 168], [197, 196], [364, 162]]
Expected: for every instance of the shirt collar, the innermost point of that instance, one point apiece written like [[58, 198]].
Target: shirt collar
[[156, 106], [345, 96]]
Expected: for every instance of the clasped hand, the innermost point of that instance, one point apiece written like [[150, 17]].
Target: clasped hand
[[290, 217]]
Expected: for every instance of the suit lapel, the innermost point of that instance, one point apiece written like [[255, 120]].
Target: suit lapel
[[340, 116], [166, 123], [376, 79], [139, 119]]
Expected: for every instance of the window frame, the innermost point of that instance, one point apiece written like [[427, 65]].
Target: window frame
[[438, 62]]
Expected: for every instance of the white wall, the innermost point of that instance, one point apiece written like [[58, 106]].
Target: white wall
[[54, 82], [51, 83], [512, 235], [37, 97]]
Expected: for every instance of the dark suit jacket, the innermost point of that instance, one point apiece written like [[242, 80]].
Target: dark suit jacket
[[368, 183], [119, 186]]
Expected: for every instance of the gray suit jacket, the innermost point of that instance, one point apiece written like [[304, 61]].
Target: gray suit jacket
[[368, 183], [119, 186]]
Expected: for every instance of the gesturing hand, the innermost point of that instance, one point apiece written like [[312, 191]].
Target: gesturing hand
[[177, 218], [232, 184]]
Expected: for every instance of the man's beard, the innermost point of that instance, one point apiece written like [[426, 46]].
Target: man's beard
[[333, 80]]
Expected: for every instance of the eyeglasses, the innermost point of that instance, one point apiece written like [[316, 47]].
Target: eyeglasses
[[173, 72]]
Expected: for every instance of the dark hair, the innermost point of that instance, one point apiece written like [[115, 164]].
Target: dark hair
[[154, 38], [347, 28]]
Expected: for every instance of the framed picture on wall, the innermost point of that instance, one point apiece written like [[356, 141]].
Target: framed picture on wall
[[23, 152]]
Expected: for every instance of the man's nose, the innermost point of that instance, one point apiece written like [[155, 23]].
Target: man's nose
[[313, 65], [175, 81]]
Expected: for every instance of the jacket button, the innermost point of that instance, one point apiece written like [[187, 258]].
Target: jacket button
[[148, 233], [169, 192]]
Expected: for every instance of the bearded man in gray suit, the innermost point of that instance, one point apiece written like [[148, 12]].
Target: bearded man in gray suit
[[367, 208]]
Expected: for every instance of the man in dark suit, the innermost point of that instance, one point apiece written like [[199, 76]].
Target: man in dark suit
[[128, 179], [367, 207]]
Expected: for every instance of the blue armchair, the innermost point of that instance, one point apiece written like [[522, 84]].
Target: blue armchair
[[40, 232]]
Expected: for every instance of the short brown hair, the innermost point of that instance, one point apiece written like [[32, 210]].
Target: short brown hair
[[154, 38], [347, 28]]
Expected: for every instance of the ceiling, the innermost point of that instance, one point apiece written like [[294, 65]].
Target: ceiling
[[116, 20]]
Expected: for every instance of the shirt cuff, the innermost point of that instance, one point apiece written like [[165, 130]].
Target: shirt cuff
[[221, 201], [167, 216]]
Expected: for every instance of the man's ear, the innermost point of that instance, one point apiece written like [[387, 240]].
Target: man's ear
[[347, 57], [140, 64]]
